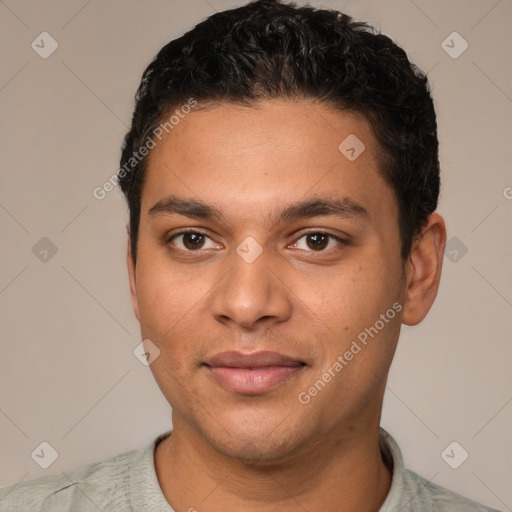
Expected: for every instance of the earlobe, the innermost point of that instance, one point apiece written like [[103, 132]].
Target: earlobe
[[132, 277], [423, 270]]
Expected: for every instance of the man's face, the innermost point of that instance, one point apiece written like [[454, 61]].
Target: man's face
[[255, 280]]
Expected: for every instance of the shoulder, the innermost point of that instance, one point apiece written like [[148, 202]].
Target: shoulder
[[412, 493], [102, 485], [425, 496]]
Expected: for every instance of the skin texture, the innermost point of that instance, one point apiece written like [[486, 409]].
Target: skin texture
[[269, 452]]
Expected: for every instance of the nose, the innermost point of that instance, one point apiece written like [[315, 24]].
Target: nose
[[251, 293]]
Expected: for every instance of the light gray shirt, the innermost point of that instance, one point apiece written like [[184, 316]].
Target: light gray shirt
[[128, 483]]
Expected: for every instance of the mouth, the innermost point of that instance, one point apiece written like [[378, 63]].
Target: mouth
[[252, 374]]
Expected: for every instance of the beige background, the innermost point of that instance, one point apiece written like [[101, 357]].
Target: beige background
[[68, 375]]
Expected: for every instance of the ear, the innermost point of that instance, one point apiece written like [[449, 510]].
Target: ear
[[423, 270], [132, 277]]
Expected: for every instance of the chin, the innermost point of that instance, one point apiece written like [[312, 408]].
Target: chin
[[263, 444]]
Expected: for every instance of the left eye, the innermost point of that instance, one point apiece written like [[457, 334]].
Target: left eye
[[318, 241]]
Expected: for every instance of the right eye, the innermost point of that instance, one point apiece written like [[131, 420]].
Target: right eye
[[190, 241]]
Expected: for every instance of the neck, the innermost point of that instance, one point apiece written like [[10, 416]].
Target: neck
[[343, 471]]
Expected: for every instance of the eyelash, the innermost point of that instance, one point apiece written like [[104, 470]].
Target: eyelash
[[340, 241]]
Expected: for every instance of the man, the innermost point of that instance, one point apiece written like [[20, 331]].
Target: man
[[282, 177]]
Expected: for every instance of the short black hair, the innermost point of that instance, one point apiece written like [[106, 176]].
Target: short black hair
[[273, 50]]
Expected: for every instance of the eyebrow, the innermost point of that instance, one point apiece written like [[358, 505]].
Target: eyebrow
[[340, 207]]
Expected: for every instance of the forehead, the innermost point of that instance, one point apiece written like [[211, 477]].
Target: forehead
[[277, 152]]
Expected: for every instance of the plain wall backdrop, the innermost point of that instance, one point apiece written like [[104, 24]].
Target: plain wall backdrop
[[68, 375]]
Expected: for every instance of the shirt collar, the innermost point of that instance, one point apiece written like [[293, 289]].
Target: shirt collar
[[393, 458], [145, 491]]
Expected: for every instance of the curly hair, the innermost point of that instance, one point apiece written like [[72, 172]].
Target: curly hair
[[267, 50]]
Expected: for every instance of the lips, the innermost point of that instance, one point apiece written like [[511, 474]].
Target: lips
[[254, 360], [252, 374]]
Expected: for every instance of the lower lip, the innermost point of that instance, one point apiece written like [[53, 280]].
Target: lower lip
[[253, 381]]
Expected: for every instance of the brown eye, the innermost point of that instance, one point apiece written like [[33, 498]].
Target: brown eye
[[191, 241], [317, 241]]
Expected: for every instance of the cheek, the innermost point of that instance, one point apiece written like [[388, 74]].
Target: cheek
[[353, 299], [165, 296]]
